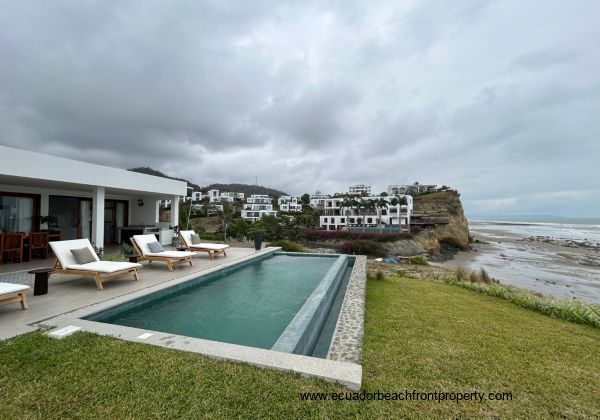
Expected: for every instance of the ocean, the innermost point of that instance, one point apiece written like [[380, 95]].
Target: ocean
[[548, 255]]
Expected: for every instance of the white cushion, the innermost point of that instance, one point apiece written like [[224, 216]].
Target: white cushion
[[212, 247], [187, 238], [9, 288], [170, 254], [104, 266], [62, 250], [142, 242]]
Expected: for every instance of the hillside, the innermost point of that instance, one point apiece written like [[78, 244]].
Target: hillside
[[149, 171], [245, 188], [242, 188]]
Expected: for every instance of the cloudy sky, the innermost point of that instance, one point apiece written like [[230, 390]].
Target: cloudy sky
[[500, 99]]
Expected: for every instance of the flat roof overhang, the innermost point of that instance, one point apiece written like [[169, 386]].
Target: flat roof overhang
[[31, 169]]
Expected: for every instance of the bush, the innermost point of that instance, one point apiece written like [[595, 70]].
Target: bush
[[126, 249], [315, 235], [379, 275], [361, 247], [288, 246], [418, 260]]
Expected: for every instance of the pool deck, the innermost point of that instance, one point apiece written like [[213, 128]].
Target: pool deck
[[70, 299], [69, 293]]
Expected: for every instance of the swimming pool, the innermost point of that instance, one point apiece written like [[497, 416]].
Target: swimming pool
[[281, 301]]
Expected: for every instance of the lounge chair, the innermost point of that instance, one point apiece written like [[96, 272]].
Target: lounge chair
[[212, 249], [140, 245], [14, 293], [100, 270]]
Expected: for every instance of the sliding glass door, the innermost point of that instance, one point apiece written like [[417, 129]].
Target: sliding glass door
[[18, 212]]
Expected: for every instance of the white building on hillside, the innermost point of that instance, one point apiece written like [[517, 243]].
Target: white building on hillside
[[359, 189], [289, 204], [227, 196], [369, 212], [317, 201], [86, 201], [214, 196], [197, 196], [257, 206], [399, 189]]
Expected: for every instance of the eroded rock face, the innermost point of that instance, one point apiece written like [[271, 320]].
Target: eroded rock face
[[445, 205], [455, 232]]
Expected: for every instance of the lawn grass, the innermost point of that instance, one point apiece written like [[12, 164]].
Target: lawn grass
[[420, 335]]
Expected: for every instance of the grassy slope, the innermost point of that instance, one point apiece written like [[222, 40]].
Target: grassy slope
[[419, 335]]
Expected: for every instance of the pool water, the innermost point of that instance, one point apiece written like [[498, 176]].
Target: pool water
[[249, 305]]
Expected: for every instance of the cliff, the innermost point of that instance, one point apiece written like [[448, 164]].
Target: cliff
[[440, 227], [447, 207]]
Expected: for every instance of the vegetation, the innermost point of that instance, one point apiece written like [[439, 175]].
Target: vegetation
[[418, 260], [361, 247], [566, 309], [341, 235], [288, 246], [419, 335]]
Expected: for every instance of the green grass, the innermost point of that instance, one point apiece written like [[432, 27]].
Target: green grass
[[419, 335]]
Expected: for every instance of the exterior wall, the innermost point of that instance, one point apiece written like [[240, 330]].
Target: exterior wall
[[257, 206], [410, 189], [214, 196], [318, 201], [337, 217], [359, 189], [45, 175], [289, 204], [197, 196]]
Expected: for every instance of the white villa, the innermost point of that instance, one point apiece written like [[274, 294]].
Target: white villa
[[289, 204], [359, 189], [196, 195], [257, 206], [84, 200], [317, 201], [399, 189], [393, 215]]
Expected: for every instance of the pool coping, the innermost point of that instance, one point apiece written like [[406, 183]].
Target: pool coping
[[346, 343], [343, 372]]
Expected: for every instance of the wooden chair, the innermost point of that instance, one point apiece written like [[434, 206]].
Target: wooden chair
[[38, 241], [12, 245]]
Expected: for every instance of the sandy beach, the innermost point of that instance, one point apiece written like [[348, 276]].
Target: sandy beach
[[559, 264]]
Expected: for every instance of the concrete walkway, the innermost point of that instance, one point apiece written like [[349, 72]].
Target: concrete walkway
[[69, 293]]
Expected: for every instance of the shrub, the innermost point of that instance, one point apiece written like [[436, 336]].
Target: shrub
[[288, 246], [361, 247], [126, 249], [379, 275], [315, 235], [418, 260]]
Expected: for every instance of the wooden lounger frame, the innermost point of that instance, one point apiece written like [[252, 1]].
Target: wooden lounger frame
[[16, 297], [198, 248], [167, 260], [99, 277]]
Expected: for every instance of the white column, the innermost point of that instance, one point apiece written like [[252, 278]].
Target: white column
[[175, 210], [98, 217]]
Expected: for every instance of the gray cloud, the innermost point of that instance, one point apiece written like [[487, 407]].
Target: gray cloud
[[497, 99]]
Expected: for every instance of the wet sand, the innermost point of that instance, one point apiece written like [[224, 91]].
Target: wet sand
[[552, 266]]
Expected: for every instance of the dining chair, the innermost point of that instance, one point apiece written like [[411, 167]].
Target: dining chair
[[38, 244], [12, 245]]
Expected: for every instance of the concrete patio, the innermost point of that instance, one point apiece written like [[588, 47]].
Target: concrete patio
[[70, 293]]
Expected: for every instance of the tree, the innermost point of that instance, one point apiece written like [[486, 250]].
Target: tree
[[239, 229], [305, 199], [383, 194]]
